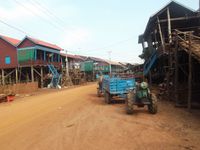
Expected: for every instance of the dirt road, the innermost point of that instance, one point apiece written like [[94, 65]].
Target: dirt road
[[76, 119]]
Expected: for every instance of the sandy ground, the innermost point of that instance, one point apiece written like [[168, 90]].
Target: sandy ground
[[76, 119]]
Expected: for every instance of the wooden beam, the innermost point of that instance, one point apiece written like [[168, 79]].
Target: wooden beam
[[37, 72], [169, 25], [160, 32], [179, 19], [9, 73]]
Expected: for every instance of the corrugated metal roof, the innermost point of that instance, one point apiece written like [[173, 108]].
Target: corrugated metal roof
[[10, 40], [72, 56], [96, 59], [176, 10], [113, 63], [43, 43]]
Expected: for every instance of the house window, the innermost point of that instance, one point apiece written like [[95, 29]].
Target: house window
[[7, 60]]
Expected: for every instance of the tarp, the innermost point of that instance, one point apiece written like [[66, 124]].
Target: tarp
[[25, 55]]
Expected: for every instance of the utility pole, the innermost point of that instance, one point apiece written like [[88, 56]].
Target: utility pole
[[67, 66], [109, 53]]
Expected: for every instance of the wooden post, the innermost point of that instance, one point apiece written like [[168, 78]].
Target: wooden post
[[176, 70], [16, 75], [190, 74], [156, 41], [32, 74], [169, 26], [41, 73], [3, 77], [67, 66], [44, 56], [161, 36]]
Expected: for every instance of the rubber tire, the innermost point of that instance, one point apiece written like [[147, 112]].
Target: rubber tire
[[153, 107], [107, 98], [129, 103]]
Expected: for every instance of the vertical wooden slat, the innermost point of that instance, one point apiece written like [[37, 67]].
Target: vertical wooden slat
[[190, 74]]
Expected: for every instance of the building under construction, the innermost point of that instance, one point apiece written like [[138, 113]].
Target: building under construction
[[171, 50]]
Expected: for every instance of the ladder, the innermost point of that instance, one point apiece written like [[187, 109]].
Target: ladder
[[55, 76], [150, 62]]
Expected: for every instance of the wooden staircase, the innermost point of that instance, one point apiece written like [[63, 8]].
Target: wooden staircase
[[189, 42]]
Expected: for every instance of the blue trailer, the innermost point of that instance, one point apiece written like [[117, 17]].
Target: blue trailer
[[117, 87]]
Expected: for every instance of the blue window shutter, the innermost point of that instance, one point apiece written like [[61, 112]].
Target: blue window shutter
[[7, 60]]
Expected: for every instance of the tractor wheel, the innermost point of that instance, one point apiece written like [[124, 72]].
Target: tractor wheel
[[129, 103], [107, 98], [153, 108]]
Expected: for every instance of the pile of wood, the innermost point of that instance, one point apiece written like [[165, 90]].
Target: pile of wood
[[77, 76]]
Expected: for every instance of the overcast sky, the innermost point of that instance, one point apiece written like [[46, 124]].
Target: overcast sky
[[86, 27]]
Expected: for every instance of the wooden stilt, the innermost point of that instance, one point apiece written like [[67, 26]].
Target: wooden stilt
[[176, 71], [3, 77], [32, 74], [16, 75], [190, 75], [41, 77]]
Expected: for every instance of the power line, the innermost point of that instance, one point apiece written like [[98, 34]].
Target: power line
[[47, 11], [44, 11], [111, 45], [57, 27], [11, 26]]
